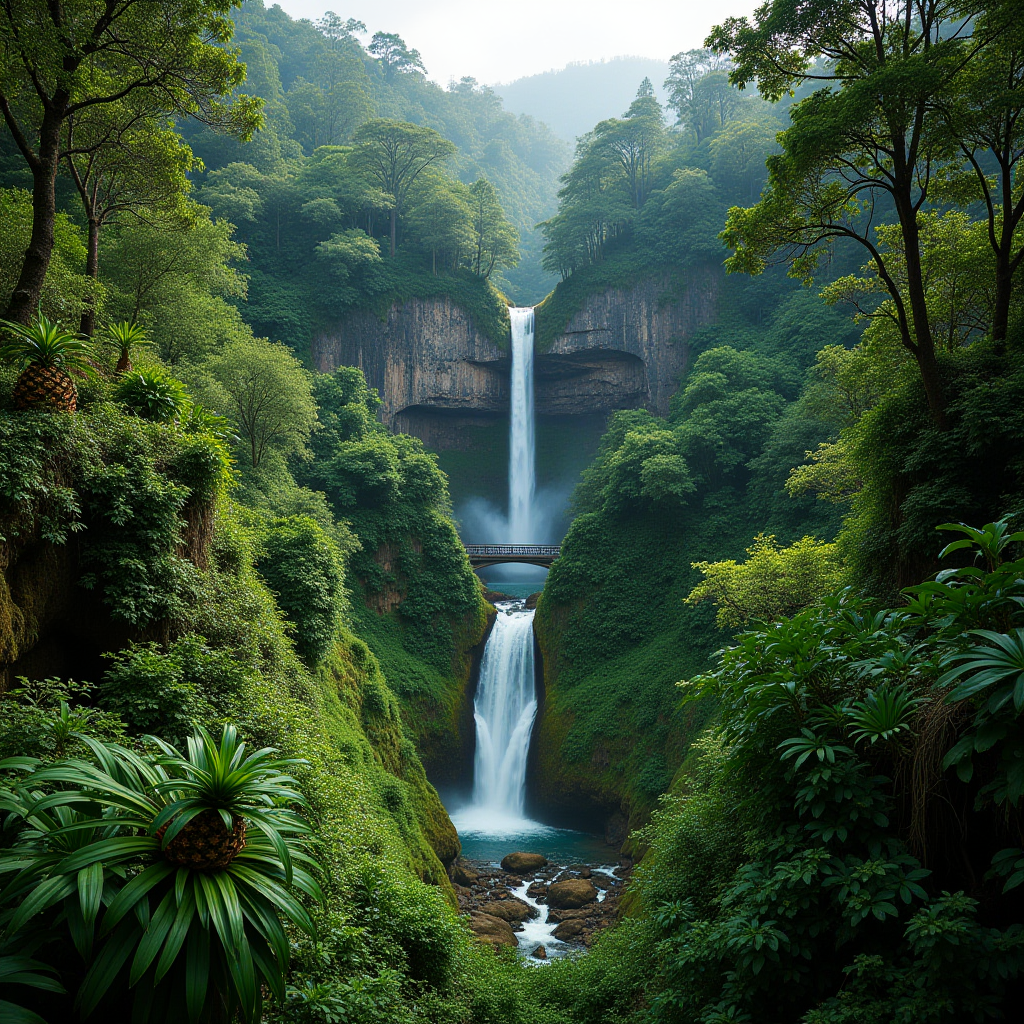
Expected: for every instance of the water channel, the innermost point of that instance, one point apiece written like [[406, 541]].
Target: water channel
[[494, 823]]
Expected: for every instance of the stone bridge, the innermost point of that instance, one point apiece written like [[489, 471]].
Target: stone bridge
[[482, 555]]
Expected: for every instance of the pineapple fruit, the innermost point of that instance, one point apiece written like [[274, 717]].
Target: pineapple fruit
[[204, 844], [47, 387]]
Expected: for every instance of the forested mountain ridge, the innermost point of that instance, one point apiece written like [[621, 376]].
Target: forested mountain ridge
[[571, 100], [318, 85]]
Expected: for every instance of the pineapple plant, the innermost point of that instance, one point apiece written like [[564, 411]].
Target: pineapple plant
[[126, 338], [46, 353], [145, 857]]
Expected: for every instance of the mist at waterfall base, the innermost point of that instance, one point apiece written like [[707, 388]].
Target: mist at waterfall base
[[484, 522]]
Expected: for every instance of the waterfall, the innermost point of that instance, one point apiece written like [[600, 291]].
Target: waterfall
[[506, 701], [521, 471], [504, 709]]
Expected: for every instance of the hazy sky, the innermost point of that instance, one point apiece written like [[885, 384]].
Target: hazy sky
[[499, 42]]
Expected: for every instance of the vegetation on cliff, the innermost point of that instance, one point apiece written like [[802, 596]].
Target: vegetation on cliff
[[804, 865], [643, 199]]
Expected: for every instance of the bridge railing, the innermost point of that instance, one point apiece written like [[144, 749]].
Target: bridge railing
[[515, 550]]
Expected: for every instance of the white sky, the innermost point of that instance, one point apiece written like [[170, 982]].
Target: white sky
[[502, 41]]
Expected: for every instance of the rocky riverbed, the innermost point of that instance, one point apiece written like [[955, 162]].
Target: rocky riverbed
[[544, 909]]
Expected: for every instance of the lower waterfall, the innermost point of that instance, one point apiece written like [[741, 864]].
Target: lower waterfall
[[504, 710]]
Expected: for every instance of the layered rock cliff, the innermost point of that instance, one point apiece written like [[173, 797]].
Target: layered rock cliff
[[438, 374], [627, 347]]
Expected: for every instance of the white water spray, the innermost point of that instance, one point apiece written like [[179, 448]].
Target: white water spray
[[504, 709], [522, 479]]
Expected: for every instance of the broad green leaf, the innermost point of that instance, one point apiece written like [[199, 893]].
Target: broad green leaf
[[135, 890], [153, 938], [197, 971]]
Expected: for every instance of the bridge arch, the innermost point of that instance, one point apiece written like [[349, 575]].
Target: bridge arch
[[483, 555]]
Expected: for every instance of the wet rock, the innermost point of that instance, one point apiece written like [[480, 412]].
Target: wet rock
[[536, 890], [462, 873], [517, 863], [616, 829], [531, 601], [540, 953], [511, 910], [568, 930], [572, 915], [492, 931], [585, 873], [571, 893]]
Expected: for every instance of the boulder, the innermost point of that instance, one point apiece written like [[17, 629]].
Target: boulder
[[568, 930], [540, 953], [462, 873], [517, 863], [570, 915], [512, 910], [492, 931], [571, 893], [531, 602]]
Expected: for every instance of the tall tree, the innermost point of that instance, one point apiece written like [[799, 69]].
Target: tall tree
[[871, 139], [495, 240], [634, 140], [269, 396], [61, 59], [120, 163], [984, 116], [394, 155], [441, 219], [337, 29], [700, 92], [394, 57]]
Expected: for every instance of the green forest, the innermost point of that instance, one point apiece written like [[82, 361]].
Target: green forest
[[782, 644]]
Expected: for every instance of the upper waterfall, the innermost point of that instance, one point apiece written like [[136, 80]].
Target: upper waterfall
[[522, 480]]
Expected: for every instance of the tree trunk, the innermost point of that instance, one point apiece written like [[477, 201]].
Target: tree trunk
[[932, 380], [394, 229], [924, 346], [1004, 292], [29, 289], [92, 269]]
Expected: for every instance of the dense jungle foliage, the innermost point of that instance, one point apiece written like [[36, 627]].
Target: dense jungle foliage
[[235, 614]]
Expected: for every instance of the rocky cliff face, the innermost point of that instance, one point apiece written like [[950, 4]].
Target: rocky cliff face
[[432, 367], [627, 347], [437, 374]]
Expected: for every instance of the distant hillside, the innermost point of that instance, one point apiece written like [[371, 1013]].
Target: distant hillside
[[572, 100]]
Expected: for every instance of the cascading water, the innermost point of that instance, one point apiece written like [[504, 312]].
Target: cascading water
[[522, 480], [504, 709], [506, 702]]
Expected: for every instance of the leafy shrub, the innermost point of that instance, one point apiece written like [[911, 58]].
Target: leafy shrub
[[303, 567], [772, 582], [152, 393], [46, 718]]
